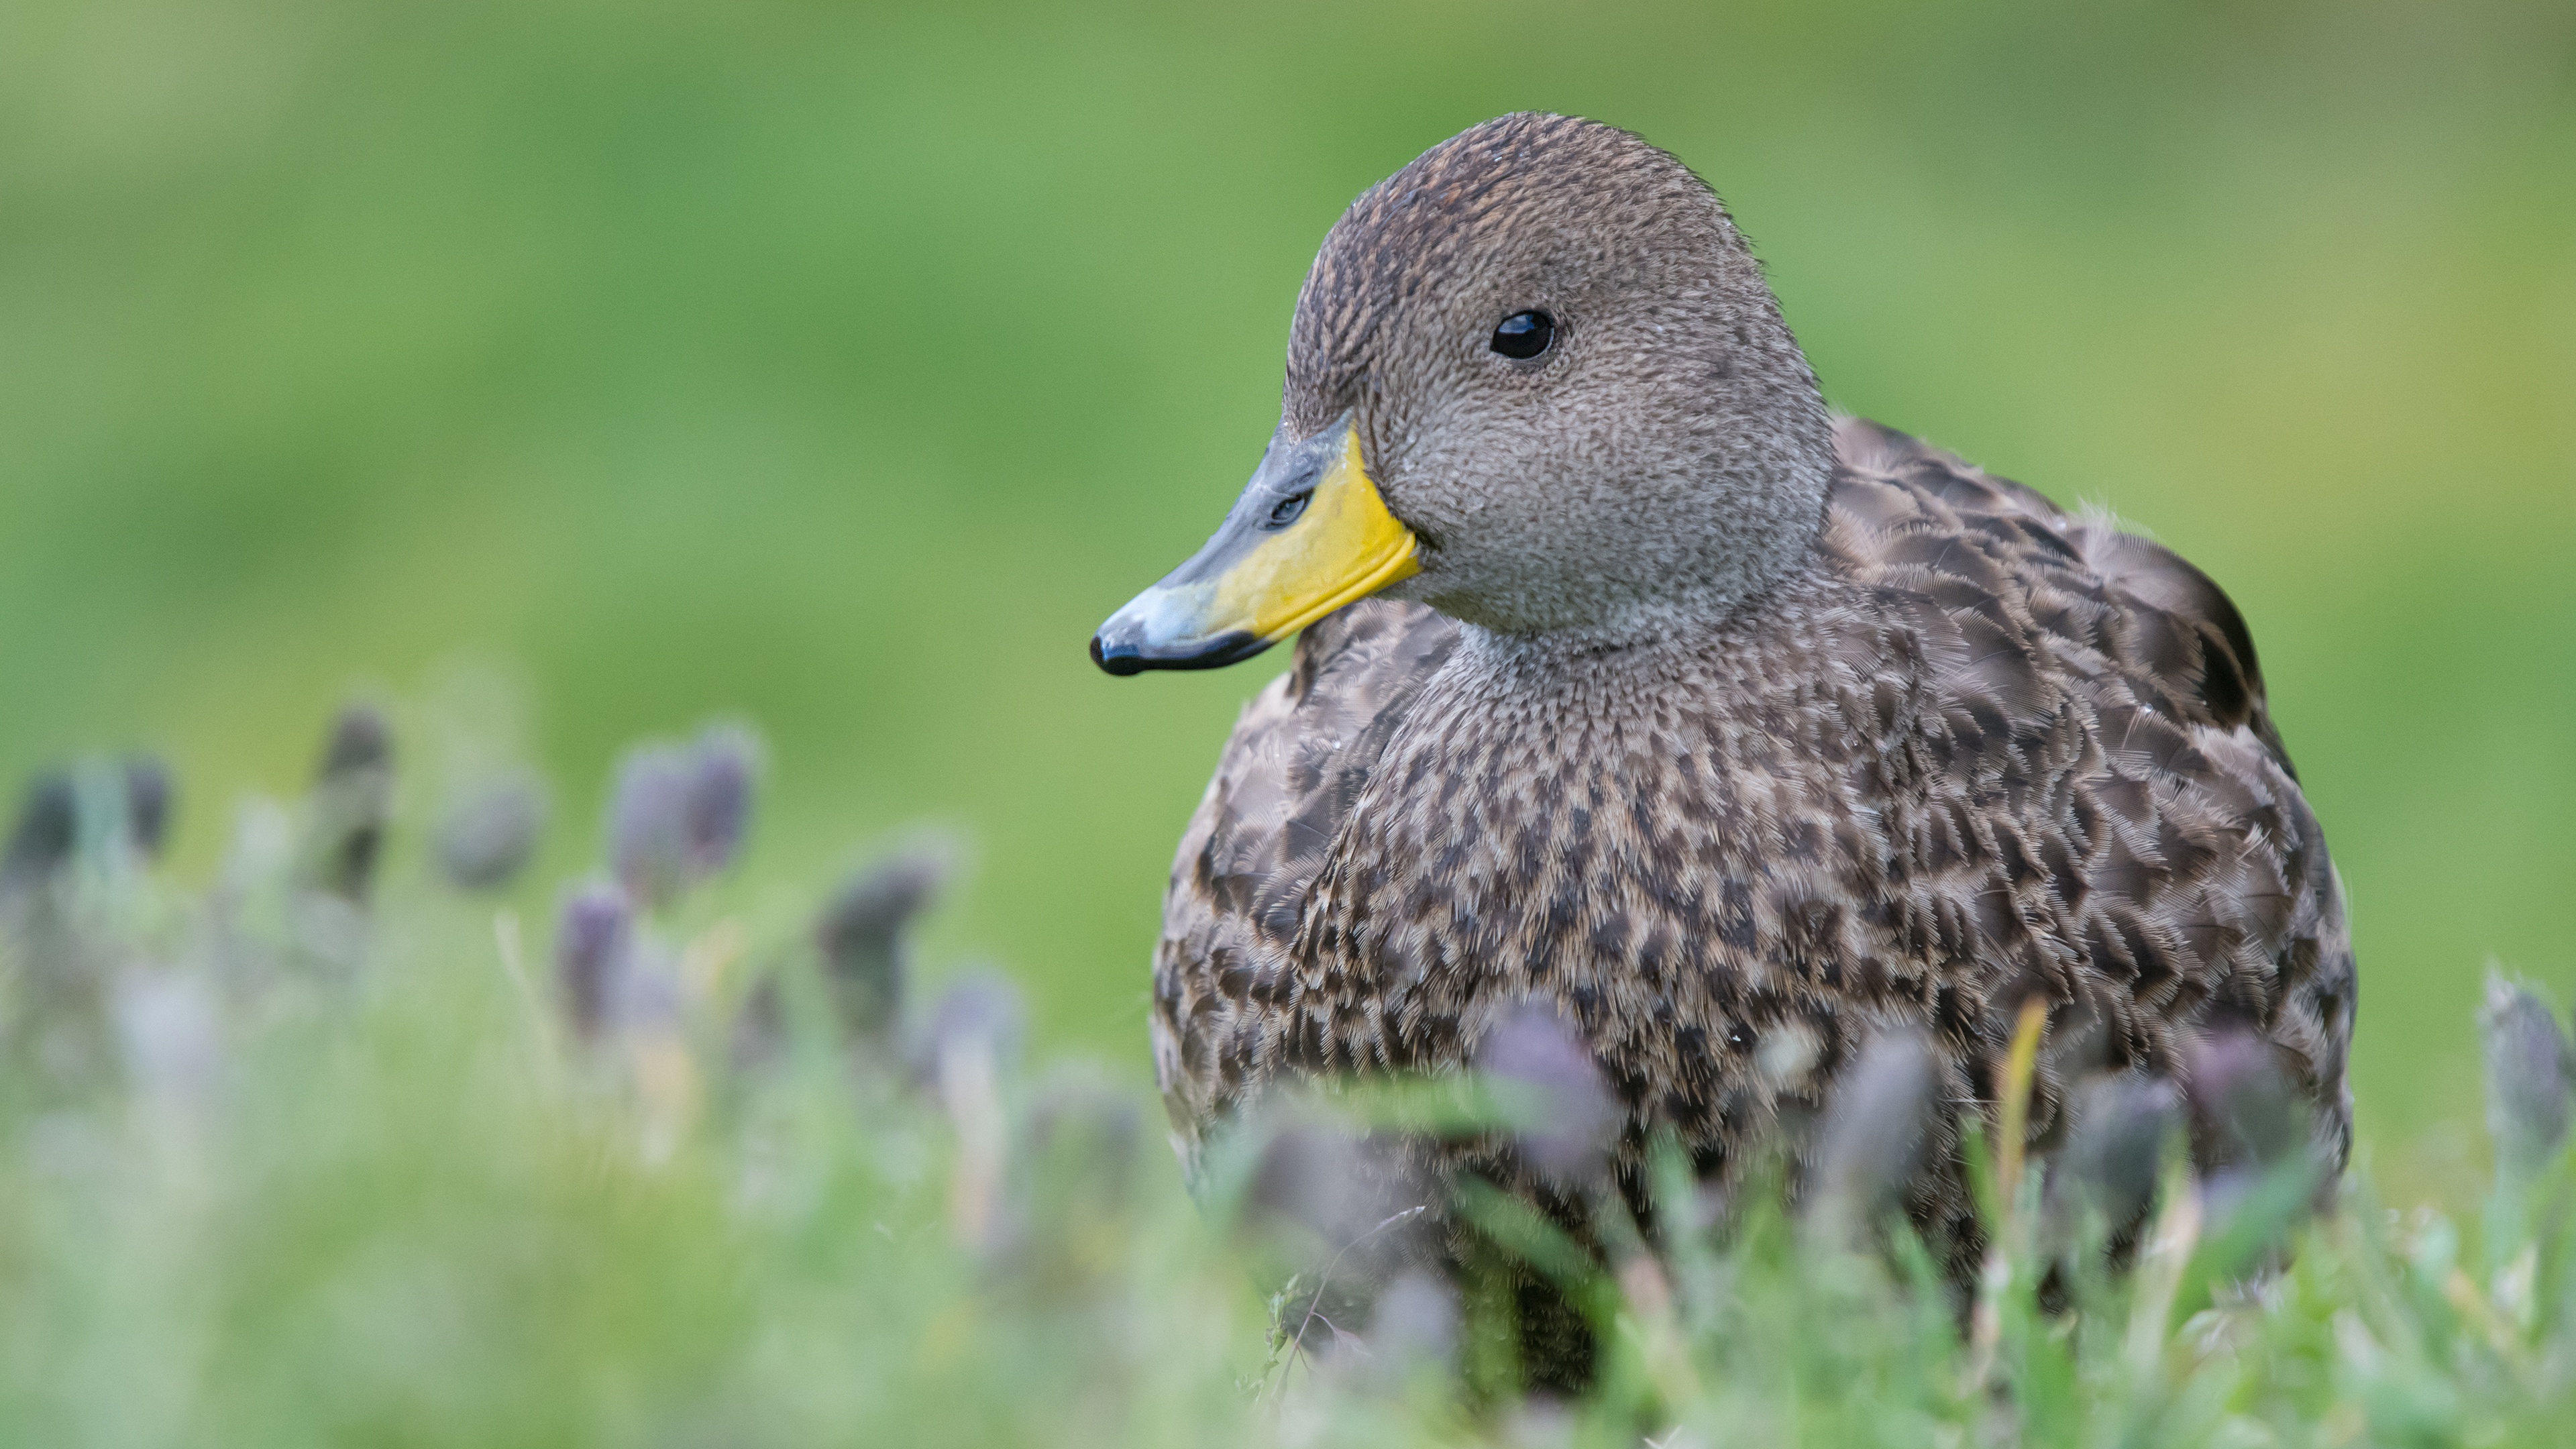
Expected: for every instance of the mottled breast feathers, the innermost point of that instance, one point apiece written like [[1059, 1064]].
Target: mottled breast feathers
[[1982, 748]]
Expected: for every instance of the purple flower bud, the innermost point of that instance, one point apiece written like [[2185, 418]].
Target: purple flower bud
[[1309, 1175], [648, 820], [972, 1034], [1413, 1330], [1341, 1214], [351, 804], [47, 830], [2249, 1138], [677, 813], [594, 943], [486, 837], [2115, 1148], [361, 741], [1873, 1133], [724, 766], [2242, 1104], [2529, 1072], [125, 803], [861, 935], [979, 1011], [149, 796], [1547, 1075]]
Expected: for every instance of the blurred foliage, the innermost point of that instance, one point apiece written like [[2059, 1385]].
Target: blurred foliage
[[844, 364], [353, 1157]]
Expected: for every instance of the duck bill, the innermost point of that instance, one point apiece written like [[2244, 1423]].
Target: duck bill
[[1309, 534]]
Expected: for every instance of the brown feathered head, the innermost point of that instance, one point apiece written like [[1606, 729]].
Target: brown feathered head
[[1535, 380]]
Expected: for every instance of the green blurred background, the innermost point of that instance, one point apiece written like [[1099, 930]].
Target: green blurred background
[[841, 366]]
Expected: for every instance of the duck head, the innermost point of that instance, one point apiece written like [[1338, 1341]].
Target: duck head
[[1536, 381]]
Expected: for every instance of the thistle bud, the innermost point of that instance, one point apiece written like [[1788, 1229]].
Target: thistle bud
[[1308, 1177], [487, 836], [594, 941], [361, 742], [1413, 1330], [973, 1032], [1566, 1117], [678, 813], [2250, 1134], [2115, 1149], [977, 1013], [2244, 1107], [149, 804], [351, 803], [862, 938], [1340, 1213], [46, 832], [724, 766], [2529, 1069], [648, 821], [1873, 1133]]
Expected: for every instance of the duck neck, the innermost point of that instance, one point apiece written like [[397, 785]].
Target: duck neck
[[1685, 617]]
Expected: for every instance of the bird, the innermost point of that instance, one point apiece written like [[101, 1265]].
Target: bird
[[1633, 680]]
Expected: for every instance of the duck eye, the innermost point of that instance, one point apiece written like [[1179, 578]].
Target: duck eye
[[1524, 334], [1286, 510]]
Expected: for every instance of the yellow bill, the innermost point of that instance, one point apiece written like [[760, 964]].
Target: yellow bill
[[1309, 534]]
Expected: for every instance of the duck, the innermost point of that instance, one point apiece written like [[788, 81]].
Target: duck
[[1633, 680]]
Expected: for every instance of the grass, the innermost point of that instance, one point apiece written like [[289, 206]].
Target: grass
[[334, 1152]]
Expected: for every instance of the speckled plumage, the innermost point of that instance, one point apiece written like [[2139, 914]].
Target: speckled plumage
[[1980, 749], [1894, 741]]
